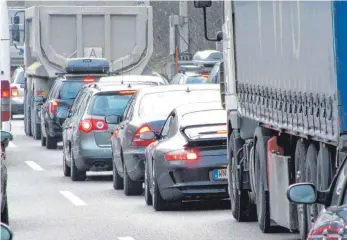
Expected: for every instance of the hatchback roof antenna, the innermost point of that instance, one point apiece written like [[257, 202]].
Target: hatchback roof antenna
[[188, 90], [129, 86]]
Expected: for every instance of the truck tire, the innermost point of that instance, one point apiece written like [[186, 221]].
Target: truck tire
[[37, 131], [241, 207], [131, 188], [76, 175], [51, 143], [27, 115], [43, 141], [300, 164], [311, 177], [262, 196], [324, 170]]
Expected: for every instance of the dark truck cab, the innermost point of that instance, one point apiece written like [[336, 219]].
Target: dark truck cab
[[56, 107]]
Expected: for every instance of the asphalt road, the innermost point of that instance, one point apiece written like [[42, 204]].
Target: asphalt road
[[45, 205]]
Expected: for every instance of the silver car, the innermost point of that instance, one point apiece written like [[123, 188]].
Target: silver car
[[87, 129], [17, 92]]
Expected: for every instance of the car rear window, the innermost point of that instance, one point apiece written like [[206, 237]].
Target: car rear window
[[20, 78], [161, 104], [112, 104], [195, 120], [70, 89], [196, 80]]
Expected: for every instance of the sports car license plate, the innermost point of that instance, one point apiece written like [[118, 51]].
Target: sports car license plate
[[220, 174]]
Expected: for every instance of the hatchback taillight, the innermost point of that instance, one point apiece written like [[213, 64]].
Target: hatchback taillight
[[14, 91], [137, 141], [89, 125], [53, 106]]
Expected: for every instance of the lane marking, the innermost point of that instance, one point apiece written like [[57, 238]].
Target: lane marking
[[73, 198], [125, 238], [12, 145], [34, 165]]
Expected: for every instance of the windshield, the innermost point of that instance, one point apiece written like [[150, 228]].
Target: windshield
[[114, 104], [196, 80], [70, 89], [161, 104]]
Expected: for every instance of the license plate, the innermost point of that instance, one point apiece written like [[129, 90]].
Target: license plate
[[220, 174]]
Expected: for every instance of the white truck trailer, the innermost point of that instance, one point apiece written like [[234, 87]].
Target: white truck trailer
[[121, 32]]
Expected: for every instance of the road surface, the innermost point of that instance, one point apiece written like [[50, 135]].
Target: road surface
[[45, 205]]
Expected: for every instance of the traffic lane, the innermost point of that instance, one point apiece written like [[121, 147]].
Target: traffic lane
[[39, 210]]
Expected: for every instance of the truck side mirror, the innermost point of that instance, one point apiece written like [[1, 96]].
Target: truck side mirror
[[15, 33], [202, 4], [16, 20]]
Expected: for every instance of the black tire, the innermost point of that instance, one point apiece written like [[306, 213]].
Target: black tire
[[37, 131], [43, 141], [4, 215], [28, 121], [148, 195], [76, 175], [263, 208], [51, 143], [159, 204], [311, 177], [324, 171], [241, 207], [117, 180], [66, 168], [131, 188], [300, 165]]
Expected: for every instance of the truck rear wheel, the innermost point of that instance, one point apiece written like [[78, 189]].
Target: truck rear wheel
[[241, 207], [300, 164], [311, 176], [27, 115], [37, 131], [51, 143], [262, 196]]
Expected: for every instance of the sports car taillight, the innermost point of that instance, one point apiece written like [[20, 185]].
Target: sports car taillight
[[182, 155]]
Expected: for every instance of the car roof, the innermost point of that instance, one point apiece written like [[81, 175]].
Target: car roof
[[113, 87], [198, 107], [132, 78], [179, 87]]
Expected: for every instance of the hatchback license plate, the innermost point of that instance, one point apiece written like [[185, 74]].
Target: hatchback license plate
[[220, 174]]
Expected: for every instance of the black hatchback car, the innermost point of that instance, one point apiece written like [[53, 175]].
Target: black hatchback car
[[63, 93], [189, 159], [331, 222]]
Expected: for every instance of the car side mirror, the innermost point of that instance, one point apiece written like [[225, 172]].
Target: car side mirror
[[202, 4], [6, 233], [16, 20], [113, 119], [302, 193], [15, 33], [6, 137], [148, 136]]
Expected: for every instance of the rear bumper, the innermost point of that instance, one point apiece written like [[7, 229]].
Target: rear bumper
[[134, 159], [90, 157], [17, 106]]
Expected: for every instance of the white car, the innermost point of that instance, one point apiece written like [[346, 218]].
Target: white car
[[156, 80], [17, 92]]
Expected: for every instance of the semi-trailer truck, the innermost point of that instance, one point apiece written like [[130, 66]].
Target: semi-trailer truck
[[285, 69], [120, 31]]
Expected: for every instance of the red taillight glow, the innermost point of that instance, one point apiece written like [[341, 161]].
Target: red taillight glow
[[89, 79], [14, 91], [89, 125], [181, 155], [53, 106], [140, 142], [5, 89]]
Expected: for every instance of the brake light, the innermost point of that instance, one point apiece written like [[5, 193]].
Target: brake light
[[89, 125], [53, 106], [5, 89], [206, 75], [127, 92], [181, 155], [14, 91], [89, 79], [222, 132], [5, 100], [140, 142]]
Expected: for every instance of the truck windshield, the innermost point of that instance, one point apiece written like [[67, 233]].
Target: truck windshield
[[70, 89]]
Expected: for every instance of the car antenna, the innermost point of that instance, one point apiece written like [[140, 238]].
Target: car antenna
[[129, 86], [123, 73], [188, 90]]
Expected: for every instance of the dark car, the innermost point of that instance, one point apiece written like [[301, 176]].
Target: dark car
[[147, 111], [189, 160], [89, 126], [331, 222], [5, 138], [63, 93]]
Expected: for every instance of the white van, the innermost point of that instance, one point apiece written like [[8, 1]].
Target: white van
[[5, 68]]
